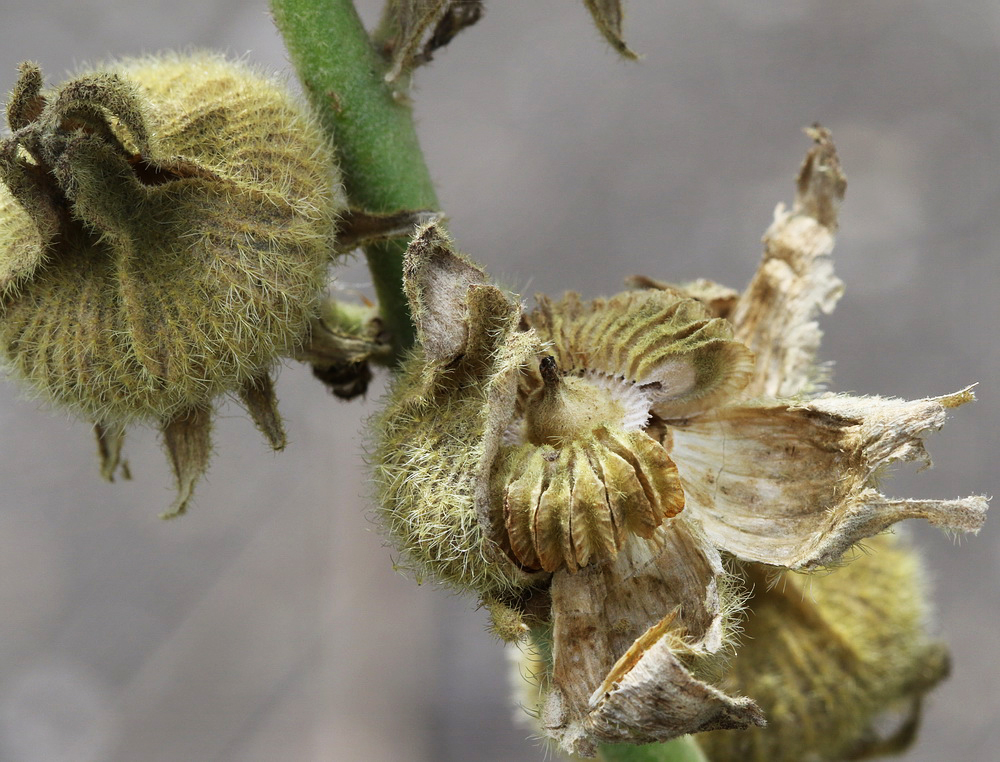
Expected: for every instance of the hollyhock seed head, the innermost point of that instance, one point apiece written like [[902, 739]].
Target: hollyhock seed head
[[623, 476], [165, 229], [579, 473]]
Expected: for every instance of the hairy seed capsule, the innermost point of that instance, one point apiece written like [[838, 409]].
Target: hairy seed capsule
[[436, 438], [839, 663], [165, 229]]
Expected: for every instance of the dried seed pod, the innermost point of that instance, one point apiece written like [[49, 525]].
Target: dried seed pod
[[165, 229], [580, 473]]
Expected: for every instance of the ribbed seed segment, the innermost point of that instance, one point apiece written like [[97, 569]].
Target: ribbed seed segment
[[626, 492], [521, 505], [655, 472], [573, 506], [663, 339], [552, 525], [592, 526]]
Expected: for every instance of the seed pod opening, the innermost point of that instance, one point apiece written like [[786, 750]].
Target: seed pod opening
[[580, 474]]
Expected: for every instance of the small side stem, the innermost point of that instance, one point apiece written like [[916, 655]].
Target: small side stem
[[371, 127]]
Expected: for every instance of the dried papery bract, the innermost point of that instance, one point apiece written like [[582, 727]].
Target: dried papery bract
[[416, 28], [166, 225]]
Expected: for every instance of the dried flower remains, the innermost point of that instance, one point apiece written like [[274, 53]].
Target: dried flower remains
[[616, 475]]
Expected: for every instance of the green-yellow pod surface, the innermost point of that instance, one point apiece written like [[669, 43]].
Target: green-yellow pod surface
[[833, 659], [437, 437], [166, 225]]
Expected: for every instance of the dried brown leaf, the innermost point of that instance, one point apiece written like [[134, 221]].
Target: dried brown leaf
[[423, 26]]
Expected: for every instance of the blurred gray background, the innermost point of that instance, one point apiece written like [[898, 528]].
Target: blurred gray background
[[269, 623]]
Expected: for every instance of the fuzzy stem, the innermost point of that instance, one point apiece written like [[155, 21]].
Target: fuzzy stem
[[371, 128], [683, 749]]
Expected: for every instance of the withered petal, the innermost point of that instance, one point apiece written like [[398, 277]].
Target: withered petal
[[794, 485]]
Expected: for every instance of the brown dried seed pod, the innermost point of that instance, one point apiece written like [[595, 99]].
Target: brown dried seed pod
[[580, 474], [166, 225], [572, 506]]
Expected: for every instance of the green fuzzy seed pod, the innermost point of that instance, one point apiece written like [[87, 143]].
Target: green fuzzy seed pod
[[827, 657], [165, 229], [437, 436]]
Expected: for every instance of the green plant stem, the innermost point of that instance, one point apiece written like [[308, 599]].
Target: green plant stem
[[683, 749], [372, 128], [384, 171]]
